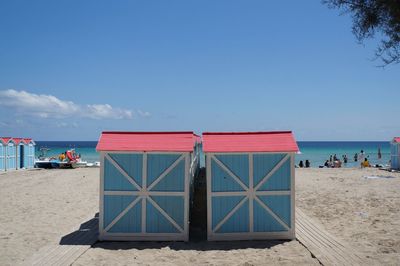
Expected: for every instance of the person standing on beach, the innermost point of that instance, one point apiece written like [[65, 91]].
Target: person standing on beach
[[361, 157], [301, 165], [307, 164], [379, 153]]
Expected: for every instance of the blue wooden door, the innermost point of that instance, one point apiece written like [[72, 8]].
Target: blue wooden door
[[2, 157], [144, 194], [249, 194], [11, 161]]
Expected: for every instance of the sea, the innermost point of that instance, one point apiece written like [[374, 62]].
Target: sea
[[317, 152]]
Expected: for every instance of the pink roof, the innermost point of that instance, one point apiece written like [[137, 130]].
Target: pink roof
[[5, 140], [146, 141], [278, 141], [18, 140], [396, 139]]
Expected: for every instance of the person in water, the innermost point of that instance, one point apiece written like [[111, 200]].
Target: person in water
[[365, 163], [379, 153], [356, 157], [307, 164], [345, 158], [301, 165]]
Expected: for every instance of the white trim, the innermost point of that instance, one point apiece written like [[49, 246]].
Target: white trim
[[143, 237], [186, 199], [249, 236], [237, 179], [209, 196], [292, 197], [101, 201], [119, 216], [229, 215], [122, 171], [276, 167], [229, 193], [148, 152], [169, 218], [166, 172], [144, 187], [248, 152], [251, 194], [144, 195], [141, 193], [273, 193]]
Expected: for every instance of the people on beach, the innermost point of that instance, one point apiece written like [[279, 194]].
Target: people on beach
[[365, 163], [356, 157], [361, 156], [337, 164], [327, 164], [308, 164], [301, 165], [61, 157]]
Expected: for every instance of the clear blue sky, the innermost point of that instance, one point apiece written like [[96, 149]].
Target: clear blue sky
[[70, 69]]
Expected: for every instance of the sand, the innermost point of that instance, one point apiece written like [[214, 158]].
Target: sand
[[39, 207], [363, 212]]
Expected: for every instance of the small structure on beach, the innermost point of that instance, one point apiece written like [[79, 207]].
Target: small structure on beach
[[29, 153], [145, 184], [3, 145], [395, 153], [16, 153], [250, 185]]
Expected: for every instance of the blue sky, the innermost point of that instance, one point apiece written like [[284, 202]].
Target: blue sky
[[70, 69]]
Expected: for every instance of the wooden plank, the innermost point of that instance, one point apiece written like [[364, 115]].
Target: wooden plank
[[350, 252], [340, 255], [70, 247], [325, 247]]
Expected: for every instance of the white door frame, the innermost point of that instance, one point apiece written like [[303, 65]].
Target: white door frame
[[250, 194], [143, 195]]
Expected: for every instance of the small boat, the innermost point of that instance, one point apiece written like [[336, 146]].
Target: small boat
[[47, 164]]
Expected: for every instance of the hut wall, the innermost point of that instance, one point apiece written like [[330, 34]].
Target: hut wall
[[30, 155], [250, 196], [145, 195], [395, 155], [2, 157], [10, 156]]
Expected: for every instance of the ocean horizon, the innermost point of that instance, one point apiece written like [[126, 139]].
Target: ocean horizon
[[317, 152]]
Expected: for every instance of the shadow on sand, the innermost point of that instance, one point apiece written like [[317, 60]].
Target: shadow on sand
[[87, 233]]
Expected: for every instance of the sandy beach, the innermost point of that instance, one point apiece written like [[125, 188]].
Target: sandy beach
[[39, 207]]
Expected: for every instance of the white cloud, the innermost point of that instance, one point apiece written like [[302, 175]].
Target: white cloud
[[48, 106], [143, 113]]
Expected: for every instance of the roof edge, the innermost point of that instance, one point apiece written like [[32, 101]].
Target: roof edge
[[248, 133], [148, 132]]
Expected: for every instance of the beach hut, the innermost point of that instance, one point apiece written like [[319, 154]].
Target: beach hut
[[395, 153], [2, 155], [11, 161], [250, 185], [145, 180], [29, 153]]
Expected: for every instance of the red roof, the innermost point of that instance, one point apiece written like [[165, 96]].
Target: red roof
[[18, 140], [147, 141], [278, 141], [5, 140], [396, 139]]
